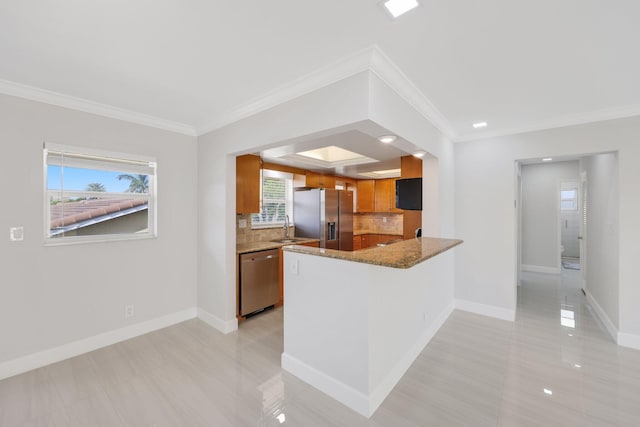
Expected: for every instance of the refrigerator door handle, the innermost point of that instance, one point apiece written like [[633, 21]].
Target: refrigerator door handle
[[331, 231]]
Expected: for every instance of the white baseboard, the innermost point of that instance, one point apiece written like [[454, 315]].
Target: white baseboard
[[602, 316], [540, 269], [343, 393], [629, 340], [486, 310], [387, 384], [76, 348], [224, 326], [354, 399]]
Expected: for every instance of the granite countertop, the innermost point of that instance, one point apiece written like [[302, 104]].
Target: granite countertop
[[243, 248], [403, 254]]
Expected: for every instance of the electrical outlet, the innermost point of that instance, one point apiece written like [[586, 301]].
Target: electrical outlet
[[16, 234], [242, 223], [129, 310], [384, 219]]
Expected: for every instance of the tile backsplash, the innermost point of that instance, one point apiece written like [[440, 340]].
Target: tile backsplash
[[371, 223], [377, 223], [247, 235]]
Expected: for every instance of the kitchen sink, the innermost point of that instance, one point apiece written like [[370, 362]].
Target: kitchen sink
[[289, 240]]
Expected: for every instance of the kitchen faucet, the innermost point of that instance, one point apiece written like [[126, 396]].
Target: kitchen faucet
[[287, 232]]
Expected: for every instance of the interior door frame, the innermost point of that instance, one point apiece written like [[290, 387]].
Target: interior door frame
[[584, 193]]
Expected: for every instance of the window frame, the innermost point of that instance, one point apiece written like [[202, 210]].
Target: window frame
[[575, 200], [276, 174], [100, 156]]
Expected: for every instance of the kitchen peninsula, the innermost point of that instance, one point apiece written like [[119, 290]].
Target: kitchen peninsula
[[355, 321]]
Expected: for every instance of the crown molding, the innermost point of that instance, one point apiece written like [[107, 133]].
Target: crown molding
[[332, 73], [569, 120], [371, 58], [383, 67], [54, 98]]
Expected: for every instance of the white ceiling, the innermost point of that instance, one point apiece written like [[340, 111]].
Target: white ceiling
[[360, 140], [517, 65]]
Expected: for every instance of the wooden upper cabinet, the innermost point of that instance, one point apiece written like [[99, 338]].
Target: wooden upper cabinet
[[385, 196], [248, 184], [366, 195], [410, 167], [316, 180]]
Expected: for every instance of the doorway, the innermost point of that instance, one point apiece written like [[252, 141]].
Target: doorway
[[570, 208]]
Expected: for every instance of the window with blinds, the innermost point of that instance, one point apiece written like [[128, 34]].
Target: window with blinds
[[276, 199], [92, 195], [569, 199]]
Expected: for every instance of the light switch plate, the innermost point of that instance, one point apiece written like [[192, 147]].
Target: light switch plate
[[295, 268], [16, 234]]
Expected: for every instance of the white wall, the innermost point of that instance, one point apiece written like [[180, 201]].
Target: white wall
[[334, 106], [51, 296], [540, 212], [352, 329], [485, 218], [602, 232], [332, 109]]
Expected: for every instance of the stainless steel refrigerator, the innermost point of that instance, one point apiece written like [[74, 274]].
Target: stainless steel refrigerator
[[325, 214]]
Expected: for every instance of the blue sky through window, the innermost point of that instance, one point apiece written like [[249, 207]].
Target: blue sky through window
[[77, 179]]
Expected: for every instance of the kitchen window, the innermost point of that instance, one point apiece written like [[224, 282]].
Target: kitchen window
[[92, 195], [276, 199]]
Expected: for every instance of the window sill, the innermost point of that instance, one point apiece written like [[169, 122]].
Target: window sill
[[79, 240], [267, 226]]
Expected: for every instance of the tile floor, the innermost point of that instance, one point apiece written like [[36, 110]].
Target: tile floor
[[477, 371]]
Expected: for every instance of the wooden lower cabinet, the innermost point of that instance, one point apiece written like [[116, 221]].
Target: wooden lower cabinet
[[363, 241], [357, 242]]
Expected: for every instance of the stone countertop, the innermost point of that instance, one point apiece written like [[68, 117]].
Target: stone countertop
[[403, 254], [243, 248]]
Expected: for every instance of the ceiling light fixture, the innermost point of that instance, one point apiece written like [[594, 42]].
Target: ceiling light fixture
[[480, 125], [547, 159], [387, 139], [419, 154], [400, 7]]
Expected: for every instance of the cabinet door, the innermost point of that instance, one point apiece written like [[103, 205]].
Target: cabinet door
[[248, 184], [365, 241], [366, 196], [316, 180], [357, 242], [382, 189], [385, 195]]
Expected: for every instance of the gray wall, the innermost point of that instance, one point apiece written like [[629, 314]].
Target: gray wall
[[53, 295], [540, 211], [486, 218], [602, 232]]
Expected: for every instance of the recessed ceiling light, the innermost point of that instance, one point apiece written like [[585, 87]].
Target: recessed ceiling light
[[399, 7], [419, 154], [480, 125], [387, 139], [547, 391], [547, 159]]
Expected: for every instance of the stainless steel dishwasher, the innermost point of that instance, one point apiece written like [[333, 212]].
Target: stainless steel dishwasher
[[258, 281]]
